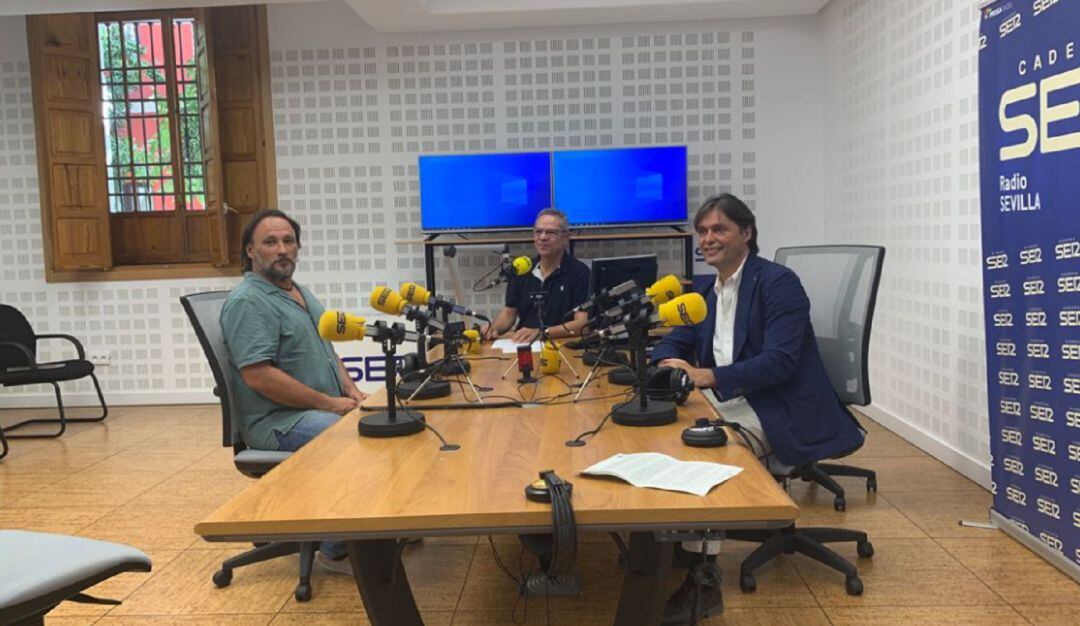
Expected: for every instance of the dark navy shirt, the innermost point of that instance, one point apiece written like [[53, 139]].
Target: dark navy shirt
[[566, 287]]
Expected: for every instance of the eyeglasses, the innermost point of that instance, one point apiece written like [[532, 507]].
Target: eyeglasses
[[550, 232]]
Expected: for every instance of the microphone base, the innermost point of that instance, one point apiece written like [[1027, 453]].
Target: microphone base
[[454, 367], [622, 376], [435, 388], [380, 424], [656, 413]]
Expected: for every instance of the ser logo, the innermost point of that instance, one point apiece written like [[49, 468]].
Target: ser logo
[[1041, 413], [1005, 347], [1028, 124], [1067, 250], [1009, 25], [1072, 418], [1035, 319], [1051, 541], [1074, 452], [371, 368], [1039, 381], [1068, 284], [1030, 256], [1014, 494], [997, 261], [1038, 350], [1070, 351], [1068, 319], [1045, 445], [1009, 407], [1013, 465], [1074, 485], [1008, 378], [1000, 290], [1046, 476], [1072, 385], [1034, 287], [1076, 524], [1039, 6], [1013, 436], [1003, 319], [1048, 508]]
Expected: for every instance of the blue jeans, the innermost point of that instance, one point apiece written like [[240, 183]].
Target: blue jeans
[[310, 425]]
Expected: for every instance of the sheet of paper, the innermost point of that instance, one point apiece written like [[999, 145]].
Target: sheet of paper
[[660, 471], [507, 346]]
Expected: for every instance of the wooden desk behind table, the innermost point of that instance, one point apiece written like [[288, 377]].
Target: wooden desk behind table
[[372, 491]]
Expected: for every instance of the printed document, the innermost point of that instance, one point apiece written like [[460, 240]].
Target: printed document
[[660, 471], [507, 346]]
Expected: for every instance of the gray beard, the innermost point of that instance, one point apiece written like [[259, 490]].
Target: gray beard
[[273, 273]]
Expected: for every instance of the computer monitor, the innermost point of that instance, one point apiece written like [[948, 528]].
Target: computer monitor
[[607, 273], [621, 186], [483, 192]]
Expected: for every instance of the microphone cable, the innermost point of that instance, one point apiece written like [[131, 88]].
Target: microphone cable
[[446, 446], [578, 441]]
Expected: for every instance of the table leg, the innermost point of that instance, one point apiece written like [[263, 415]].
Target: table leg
[[381, 579], [429, 267], [645, 582]]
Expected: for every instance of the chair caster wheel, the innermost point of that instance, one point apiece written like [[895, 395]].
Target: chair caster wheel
[[853, 585], [222, 578], [871, 484], [865, 549], [840, 503], [303, 593], [748, 583]]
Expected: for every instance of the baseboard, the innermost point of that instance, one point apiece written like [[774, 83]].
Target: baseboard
[[976, 470], [1032, 543], [113, 398]]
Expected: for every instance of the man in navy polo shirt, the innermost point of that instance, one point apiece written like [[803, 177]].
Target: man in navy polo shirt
[[563, 279]]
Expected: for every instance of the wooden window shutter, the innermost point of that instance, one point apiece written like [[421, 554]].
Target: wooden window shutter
[[211, 140], [242, 68], [64, 76]]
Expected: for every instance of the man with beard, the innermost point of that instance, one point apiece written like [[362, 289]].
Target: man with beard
[[288, 383]]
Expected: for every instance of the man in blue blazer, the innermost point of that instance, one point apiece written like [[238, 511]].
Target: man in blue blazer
[[757, 354]]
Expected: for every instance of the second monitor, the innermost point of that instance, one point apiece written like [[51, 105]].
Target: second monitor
[[609, 272]]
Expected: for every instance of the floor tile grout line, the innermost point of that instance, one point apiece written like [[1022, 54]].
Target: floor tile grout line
[[970, 571]]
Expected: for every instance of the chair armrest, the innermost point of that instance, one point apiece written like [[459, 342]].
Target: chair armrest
[[78, 346], [29, 355]]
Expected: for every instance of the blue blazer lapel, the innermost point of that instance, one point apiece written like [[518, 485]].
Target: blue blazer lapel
[[747, 285], [707, 328]]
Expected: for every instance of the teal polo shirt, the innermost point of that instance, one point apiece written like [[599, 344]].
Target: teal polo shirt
[[260, 322]]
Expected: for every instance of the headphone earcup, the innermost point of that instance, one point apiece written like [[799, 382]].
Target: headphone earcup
[[669, 383], [408, 363]]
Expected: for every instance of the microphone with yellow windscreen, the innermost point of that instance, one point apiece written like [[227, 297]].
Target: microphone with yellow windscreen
[[665, 289], [472, 340], [550, 359], [522, 265], [341, 326], [386, 301], [415, 294], [686, 310]]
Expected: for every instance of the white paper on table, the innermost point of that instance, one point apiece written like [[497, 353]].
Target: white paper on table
[[660, 471], [508, 346]]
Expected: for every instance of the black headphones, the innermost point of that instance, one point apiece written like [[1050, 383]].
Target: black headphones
[[668, 383], [705, 433], [560, 548], [407, 363]]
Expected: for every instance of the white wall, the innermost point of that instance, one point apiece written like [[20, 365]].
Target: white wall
[[901, 140], [353, 109]]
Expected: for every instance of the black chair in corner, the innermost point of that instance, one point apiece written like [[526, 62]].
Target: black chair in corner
[[841, 283], [19, 366], [204, 311]]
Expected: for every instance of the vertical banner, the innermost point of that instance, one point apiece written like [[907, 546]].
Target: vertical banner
[[1029, 132]]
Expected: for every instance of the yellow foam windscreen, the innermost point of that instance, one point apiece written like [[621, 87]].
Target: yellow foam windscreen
[[550, 361], [385, 301], [414, 294], [522, 265], [472, 340], [665, 289], [341, 326], [686, 310]]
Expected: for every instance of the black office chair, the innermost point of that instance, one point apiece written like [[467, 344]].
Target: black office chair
[[204, 311], [19, 366], [841, 282]]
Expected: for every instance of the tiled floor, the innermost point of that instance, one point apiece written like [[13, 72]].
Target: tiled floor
[[148, 474]]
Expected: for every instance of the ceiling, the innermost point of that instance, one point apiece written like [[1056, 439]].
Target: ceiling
[[399, 16]]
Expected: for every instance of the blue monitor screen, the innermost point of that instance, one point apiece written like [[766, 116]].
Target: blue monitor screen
[[621, 186], [483, 191]]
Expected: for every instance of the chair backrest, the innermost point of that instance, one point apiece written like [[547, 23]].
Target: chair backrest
[[15, 328], [842, 284], [204, 311]]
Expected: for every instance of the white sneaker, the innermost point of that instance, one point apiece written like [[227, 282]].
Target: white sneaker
[[343, 567]]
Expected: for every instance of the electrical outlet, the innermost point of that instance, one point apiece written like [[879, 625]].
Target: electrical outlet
[[99, 358]]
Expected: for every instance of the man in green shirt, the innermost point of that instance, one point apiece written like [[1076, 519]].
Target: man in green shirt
[[288, 384]]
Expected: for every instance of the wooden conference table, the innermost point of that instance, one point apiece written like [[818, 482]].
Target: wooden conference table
[[371, 492]]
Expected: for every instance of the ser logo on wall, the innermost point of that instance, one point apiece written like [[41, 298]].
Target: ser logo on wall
[[369, 368]]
